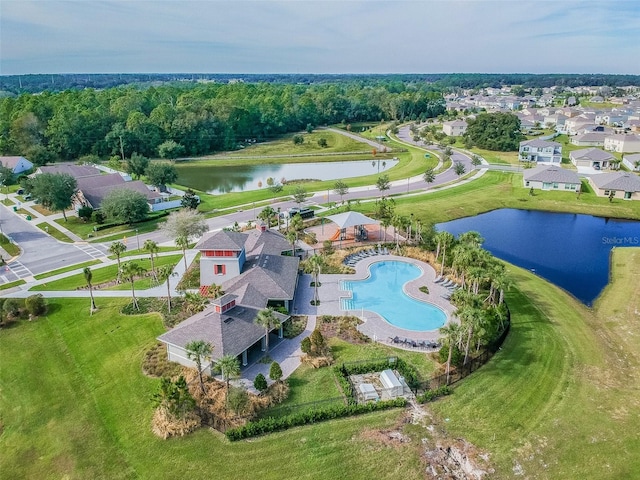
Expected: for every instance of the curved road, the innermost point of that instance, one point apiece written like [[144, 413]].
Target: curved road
[[41, 253]]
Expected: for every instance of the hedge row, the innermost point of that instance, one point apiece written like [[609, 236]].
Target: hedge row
[[270, 424], [408, 371], [105, 226], [431, 395]]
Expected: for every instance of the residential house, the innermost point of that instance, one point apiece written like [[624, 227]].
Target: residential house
[[591, 139], [76, 171], [622, 143], [617, 184], [94, 189], [540, 151], [455, 128], [591, 157], [16, 164], [632, 162], [555, 119], [551, 177], [253, 273]]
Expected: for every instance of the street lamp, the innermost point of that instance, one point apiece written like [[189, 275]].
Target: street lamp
[[137, 239]]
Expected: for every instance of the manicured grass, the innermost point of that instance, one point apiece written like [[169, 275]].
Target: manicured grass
[[503, 190], [83, 229], [66, 269], [135, 251], [54, 232], [7, 201], [560, 398], [11, 248], [85, 412], [6, 286], [107, 274], [42, 210]]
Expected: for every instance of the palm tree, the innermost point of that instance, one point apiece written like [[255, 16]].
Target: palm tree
[[452, 333], [151, 247], [446, 239], [166, 271], [429, 176], [198, 351], [215, 291], [229, 367], [131, 270], [316, 262], [266, 214], [194, 302], [292, 237], [471, 238], [88, 276], [268, 320], [183, 243], [117, 249]]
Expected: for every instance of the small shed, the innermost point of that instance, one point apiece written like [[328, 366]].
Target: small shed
[[391, 383], [368, 392]]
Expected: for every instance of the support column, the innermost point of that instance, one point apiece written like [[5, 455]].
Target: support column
[[245, 360], [281, 332], [263, 344]]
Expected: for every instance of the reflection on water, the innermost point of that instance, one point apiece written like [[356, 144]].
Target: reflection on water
[[241, 178], [570, 250]]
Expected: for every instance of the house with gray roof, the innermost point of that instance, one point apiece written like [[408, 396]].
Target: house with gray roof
[[254, 274], [92, 190], [16, 164], [622, 143], [589, 139], [624, 185], [76, 171], [551, 177], [540, 151], [591, 157]]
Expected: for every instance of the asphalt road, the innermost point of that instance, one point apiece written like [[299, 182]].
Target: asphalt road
[[40, 252]]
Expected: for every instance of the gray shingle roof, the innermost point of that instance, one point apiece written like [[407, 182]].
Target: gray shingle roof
[[230, 333], [621, 181], [274, 276], [96, 195], [594, 154], [76, 171], [537, 143], [222, 240], [551, 174]]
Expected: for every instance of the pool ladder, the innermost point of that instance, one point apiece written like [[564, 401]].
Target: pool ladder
[[347, 304]]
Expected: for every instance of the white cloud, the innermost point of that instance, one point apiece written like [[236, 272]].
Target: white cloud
[[319, 36]]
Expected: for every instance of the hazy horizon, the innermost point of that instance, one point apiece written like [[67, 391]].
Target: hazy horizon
[[319, 37]]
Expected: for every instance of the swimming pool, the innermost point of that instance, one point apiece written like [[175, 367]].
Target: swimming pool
[[382, 293]]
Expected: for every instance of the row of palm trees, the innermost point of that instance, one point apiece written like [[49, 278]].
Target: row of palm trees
[[480, 300]]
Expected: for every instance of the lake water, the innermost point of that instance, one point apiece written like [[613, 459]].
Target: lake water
[[572, 251], [216, 180]]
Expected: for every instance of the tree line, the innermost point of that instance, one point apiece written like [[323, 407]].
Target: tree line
[[194, 119]]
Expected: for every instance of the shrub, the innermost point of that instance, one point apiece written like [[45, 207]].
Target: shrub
[[238, 400], [457, 357], [298, 139], [327, 247], [99, 217], [318, 346], [85, 213], [275, 372], [295, 326], [270, 424], [431, 395], [305, 345], [36, 305], [260, 383], [11, 308], [322, 142]]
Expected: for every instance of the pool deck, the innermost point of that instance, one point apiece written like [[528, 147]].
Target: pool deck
[[374, 325]]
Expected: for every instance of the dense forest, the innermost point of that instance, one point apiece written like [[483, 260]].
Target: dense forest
[[16, 84], [194, 118]]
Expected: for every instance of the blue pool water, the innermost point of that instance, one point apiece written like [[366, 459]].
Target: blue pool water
[[382, 293]]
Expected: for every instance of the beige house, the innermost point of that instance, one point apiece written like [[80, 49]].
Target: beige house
[[540, 151], [455, 128], [590, 139], [551, 177], [591, 157], [622, 143], [624, 185]]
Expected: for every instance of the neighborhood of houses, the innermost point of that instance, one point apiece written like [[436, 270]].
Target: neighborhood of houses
[[602, 131]]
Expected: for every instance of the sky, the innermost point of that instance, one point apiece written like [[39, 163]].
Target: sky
[[319, 36]]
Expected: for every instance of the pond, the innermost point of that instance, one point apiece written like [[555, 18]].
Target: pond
[[570, 250], [241, 178]]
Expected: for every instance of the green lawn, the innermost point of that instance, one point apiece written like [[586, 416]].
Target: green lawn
[[11, 248], [503, 190], [107, 274], [54, 232], [66, 269], [15, 283], [84, 412], [560, 398]]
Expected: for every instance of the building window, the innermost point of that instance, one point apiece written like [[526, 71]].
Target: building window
[[606, 192], [568, 186], [219, 269], [555, 185], [527, 184]]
